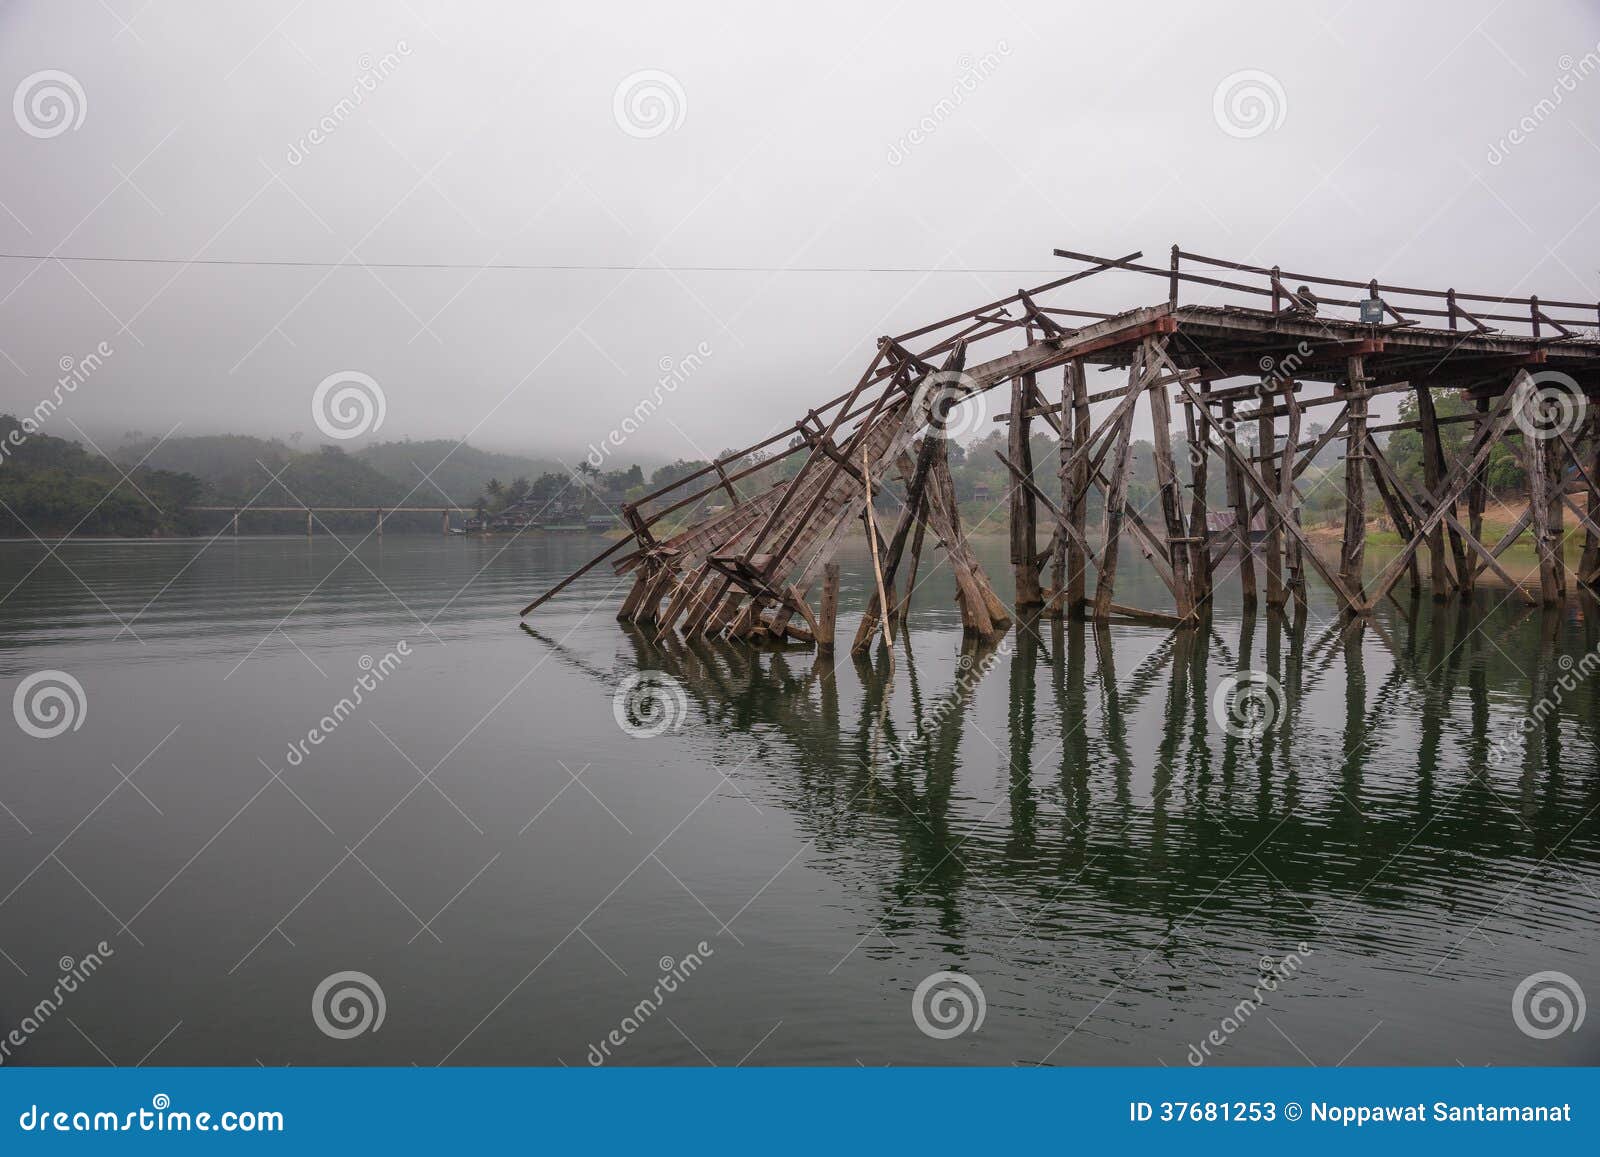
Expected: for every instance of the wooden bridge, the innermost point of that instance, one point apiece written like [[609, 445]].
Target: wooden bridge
[[379, 513], [1530, 366]]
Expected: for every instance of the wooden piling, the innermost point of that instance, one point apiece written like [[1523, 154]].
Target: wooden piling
[[1272, 545], [1238, 500], [828, 615], [1024, 511], [1353, 548], [1076, 477]]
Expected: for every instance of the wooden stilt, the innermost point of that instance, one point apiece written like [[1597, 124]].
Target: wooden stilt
[[1589, 568], [1477, 499], [1024, 511], [1115, 511], [1195, 428], [1075, 476], [1272, 545], [1433, 468], [1171, 495], [1353, 550], [1293, 558], [827, 616], [1233, 475]]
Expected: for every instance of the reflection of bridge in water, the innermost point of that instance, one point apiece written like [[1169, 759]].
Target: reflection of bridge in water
[[1370, 780]]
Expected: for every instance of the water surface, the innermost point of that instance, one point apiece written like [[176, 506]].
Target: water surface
[[1061, 818]]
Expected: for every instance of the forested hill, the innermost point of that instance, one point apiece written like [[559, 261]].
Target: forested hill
[[51, 487], [234, 468]]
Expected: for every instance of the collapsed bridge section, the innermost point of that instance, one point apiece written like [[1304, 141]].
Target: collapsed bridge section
[[747, 568]]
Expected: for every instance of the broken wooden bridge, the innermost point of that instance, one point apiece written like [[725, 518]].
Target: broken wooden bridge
[[1254, 354]]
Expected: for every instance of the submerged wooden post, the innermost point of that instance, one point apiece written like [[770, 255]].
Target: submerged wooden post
[[1294, 561], [1076, 478], [1589, 567], [1267, 451], [1238, 500], [1546, 482], [1353, 550], [1116, 500], [1195, 427], [1171, 497], [1477, 500], [1433, 468], [828, 614], [1024, 511]]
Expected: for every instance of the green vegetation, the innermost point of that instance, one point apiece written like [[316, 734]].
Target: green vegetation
[[52, 487]]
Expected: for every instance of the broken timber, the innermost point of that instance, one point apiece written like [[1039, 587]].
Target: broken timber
[[766, 522]]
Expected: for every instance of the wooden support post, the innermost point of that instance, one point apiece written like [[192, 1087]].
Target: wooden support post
[[1589, 568], [1293, 556], [1196, 428], [444, 524], [1543, 460], [379, 513], [1477, 500], [1353, 550], [982, 613], [308, 524], [1233, 475], [1116, 503], [1075, 476], [235, 524], [1433, 468], [1272, 547], [1556, 471], [829, 613], [1024, 511], [1171, 494]]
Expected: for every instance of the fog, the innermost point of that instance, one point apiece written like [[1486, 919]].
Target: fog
[[291, 191]]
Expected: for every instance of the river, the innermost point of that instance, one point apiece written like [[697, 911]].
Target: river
[[1069, 825]]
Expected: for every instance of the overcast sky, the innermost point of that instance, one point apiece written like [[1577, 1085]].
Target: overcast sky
[[494, 133]]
